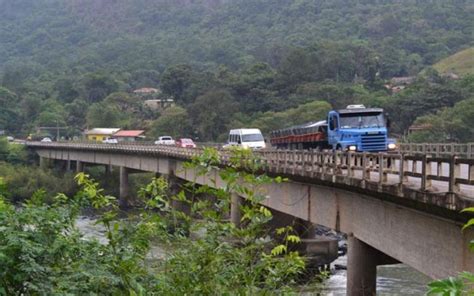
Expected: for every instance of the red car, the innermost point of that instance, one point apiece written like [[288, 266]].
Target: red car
[[185, 143]]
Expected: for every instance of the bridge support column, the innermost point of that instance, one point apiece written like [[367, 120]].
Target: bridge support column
[[175, 185], [362, 264], [68, 165], [108, 170], [124, 187], [43, 162], [79, 166], [235, 213]]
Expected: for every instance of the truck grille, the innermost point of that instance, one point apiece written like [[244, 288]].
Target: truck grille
[[374, 142]]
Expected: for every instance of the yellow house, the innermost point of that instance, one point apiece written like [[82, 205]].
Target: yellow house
[[100, 134]]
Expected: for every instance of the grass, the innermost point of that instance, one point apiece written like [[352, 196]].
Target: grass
[[460, 63]]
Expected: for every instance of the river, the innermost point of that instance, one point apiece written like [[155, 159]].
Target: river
[[396, 279]]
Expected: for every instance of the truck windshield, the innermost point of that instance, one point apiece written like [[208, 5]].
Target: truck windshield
[[362, 120], [252, 138]]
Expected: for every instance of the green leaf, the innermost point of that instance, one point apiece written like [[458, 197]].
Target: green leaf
[[266, 212], [278, 250], [468, 224], [293, 239], [280, 230]]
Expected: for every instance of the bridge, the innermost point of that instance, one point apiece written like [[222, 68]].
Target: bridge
[[394, 207]]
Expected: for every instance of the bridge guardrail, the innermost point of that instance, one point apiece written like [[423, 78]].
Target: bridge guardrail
[[465, 150]]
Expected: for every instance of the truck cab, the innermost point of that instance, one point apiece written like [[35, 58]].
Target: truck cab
[[358, 128]]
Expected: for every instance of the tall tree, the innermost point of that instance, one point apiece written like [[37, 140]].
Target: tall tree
[[211, 113]]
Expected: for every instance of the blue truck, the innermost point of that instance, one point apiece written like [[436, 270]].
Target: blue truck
[[355, 128]]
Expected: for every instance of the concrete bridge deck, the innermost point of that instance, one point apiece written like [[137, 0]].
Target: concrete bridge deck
[[394, 207]]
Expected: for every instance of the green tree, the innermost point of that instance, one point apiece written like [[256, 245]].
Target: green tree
[[52, 114], [253, 88], [66, 90], [174, 121], [105, 115], [144, 78], [9, 113], [309, 112], [176, 82], [96, 86], [211, 113], [447, 125]]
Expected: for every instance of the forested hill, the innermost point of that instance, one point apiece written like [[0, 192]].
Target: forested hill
[[86, 35], [261, 63]]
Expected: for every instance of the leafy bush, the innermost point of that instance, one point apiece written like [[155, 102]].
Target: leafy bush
[[42, 252], [23, 181]]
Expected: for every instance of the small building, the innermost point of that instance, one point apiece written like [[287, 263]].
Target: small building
[[159, 104], [398, 81], [129, 135], [100, 134], [146, 91], [419, 127], [451, 76]]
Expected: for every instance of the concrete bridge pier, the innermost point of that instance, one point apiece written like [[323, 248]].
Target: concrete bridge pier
[[68, 165], [44, 162], [235, 212], [79, 166], [108, 170], [362, 264], [124, 188], [175, 185]]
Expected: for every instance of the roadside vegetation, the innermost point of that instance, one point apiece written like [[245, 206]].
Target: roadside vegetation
[[43, 252]]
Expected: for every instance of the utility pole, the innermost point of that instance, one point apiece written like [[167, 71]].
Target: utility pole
[[57, 130]]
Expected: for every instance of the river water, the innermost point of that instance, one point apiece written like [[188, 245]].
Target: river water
[[396, 279]]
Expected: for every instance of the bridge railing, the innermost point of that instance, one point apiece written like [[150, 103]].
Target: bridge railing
[[451, 174], [465, 150], [421, 172]]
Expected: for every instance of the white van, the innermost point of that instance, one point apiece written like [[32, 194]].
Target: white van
[[246, 138]]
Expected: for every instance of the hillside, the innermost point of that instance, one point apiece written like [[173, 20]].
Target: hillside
[[118, 35], [461, 63], [76, 63]]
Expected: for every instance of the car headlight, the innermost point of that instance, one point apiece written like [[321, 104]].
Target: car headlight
[[352, 148], [392, 146]]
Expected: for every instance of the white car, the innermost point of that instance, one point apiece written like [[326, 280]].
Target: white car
[[110, 141], [247, 138], [10, 139], [46, 140], [165, 140]]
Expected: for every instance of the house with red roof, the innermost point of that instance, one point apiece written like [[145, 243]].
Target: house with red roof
[[129, 135]]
